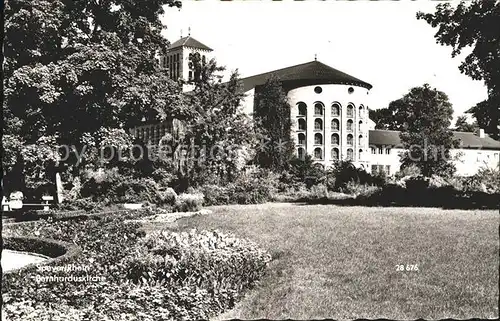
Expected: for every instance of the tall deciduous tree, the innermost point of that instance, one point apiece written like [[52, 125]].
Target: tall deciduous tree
[[273, 126], [73, 67], [218, 131], [426, 135], [474, 24], [390, 118], [462, 125]]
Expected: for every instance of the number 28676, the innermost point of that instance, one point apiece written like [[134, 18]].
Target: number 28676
[[407, 267]]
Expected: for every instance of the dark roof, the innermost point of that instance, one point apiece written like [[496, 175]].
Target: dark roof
[[468, 140], [189, 42], [309, 73]]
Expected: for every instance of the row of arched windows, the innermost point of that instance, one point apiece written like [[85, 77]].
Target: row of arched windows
[[335, 139], [334, 125], [335, 109], [334, 153]]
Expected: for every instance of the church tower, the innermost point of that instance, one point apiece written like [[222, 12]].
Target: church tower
[[177, 60]]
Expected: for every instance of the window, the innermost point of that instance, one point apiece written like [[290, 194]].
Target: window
[[349, 140], [350, 155], [388, 151], [317, 153], [478, 157], [318, 90], [350, 90], [360, 125], [373, 150], [335, 139], [350, 111], [190, 75], [318, 139], [360, 152], [380, 150], [318, 124], [335, 154], [302, 124], [302, 108], [302, 139], [360, 111], [374, 169], [301, 153], [349, 125], [335, 124], [388, 169], [318, 109], [335, 110], [360, 139]]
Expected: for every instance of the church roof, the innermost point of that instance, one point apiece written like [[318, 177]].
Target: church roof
[[189, 42], [309, 73], [467, 140]]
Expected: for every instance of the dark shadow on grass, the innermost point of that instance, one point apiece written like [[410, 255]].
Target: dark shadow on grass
[[397, 196]]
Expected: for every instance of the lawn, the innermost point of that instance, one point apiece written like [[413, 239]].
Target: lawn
[[340, 262]]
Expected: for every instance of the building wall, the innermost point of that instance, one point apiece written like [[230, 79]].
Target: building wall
[[467, 161], [331, 94]]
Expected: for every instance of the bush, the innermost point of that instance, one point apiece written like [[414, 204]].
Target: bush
[[215, 195], [188, 202], [211, 262], [363, 190], [209, 270], [319, 191], [410, 170]]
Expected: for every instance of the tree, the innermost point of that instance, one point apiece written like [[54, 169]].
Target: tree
[[219, 132], [474, 25], [461, 125], [391, 118], [75, 67], [273, 125], [426, 135]]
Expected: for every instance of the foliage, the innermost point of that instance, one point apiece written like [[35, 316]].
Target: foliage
[[346, 172], [461, 125], [390, 118], [486, 180], [319, 191], [273, 124], [410, 170], [108, 245], [426, 136], [303, 171], [363, 190], [188, 202], [218, 133], [474, 24]]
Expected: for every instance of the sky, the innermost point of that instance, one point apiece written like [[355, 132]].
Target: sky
[[380, 42]]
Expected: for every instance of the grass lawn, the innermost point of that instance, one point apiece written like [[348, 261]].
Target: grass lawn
[[340, 262]]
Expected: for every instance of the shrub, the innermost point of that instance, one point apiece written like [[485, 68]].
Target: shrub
[[363, 190], [210, 261], [188, 202], [319, 191], [410, 170], [215, 195], [168, 196]]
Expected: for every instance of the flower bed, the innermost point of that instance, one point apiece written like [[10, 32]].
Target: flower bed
[[116, 252]]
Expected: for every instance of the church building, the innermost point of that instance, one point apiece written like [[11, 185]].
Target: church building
[[329, 113]]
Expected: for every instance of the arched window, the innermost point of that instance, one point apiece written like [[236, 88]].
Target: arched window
[[360, 153], [360, 140], [318, 109], [349, 125], [335, 139], [302, 108], [318, 124], [349, 140], [350, 155], [302, 139], [335, 110], [360, 125], [318, 154], [361, 111], [335, 124], [335, 154], [302, 124], [350, 111], [318, 139], [301, 153]]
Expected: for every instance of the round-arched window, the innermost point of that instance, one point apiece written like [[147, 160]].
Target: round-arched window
[[335, 125], [335, 139], [302, 139], [302, 108], [318, 139], [302, 124], [350, 154], [335, 154], [350, 111], [318, 153], [318, 124], [335, 110], [301, 153], [318, 109], [349, 125], [349, 140]]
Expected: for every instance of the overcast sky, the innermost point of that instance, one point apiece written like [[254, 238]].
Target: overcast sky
[[381, 43]]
